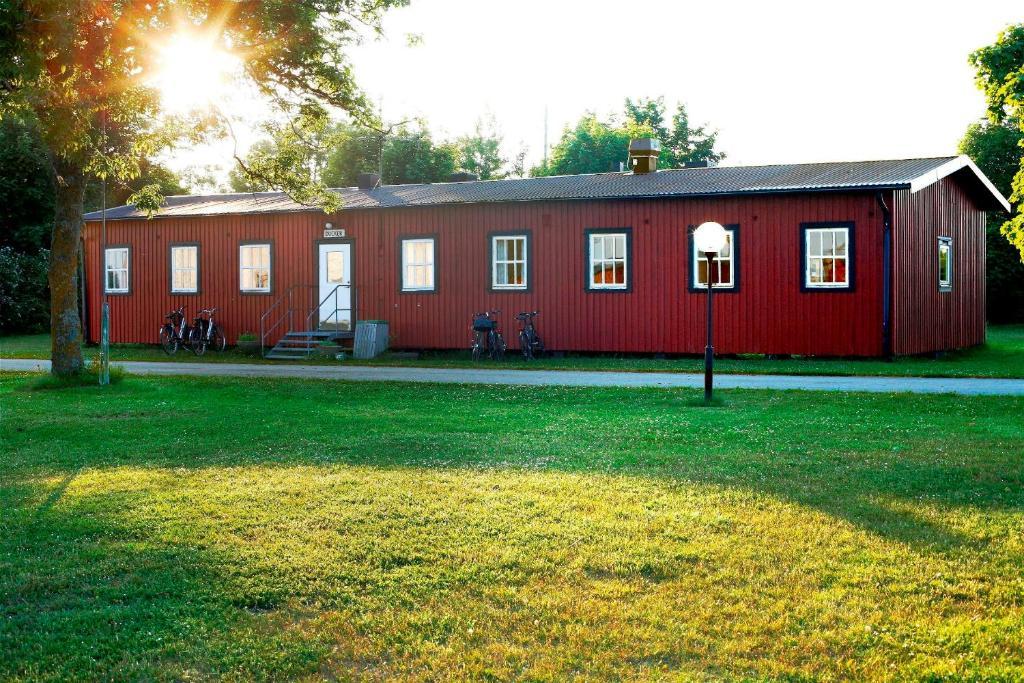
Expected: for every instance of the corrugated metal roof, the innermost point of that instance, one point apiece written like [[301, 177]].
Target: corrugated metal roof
[[721, 180]]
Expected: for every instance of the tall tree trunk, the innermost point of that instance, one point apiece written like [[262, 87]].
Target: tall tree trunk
[[65, 322]]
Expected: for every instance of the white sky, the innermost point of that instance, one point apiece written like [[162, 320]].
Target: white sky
[[782, 81]]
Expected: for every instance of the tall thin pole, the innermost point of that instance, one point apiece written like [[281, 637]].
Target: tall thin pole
[[104, 369], [709, 350], [545, 137]]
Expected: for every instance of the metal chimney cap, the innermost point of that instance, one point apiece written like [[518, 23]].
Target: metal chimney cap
[[645, 145]]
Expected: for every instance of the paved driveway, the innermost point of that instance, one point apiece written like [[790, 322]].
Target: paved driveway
[[574, 378]]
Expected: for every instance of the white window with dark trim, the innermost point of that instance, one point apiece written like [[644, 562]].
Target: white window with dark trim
[[418, 265], [116, 268], [946, 264], [609, 261], [827, 257], [508, 261], [254, 267], [723, 265], [184, 269]]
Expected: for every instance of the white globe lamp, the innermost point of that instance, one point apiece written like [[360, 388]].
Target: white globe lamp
[[710, 237]]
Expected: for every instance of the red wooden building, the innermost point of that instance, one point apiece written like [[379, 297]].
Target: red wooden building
[[831, 259]]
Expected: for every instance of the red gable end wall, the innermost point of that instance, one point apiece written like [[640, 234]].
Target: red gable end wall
[[925, 319]]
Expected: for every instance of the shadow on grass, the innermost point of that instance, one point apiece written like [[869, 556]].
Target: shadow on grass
[[855, 457], [97, 596]]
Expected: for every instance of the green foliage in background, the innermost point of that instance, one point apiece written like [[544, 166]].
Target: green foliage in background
[[23, 289], [1000, 74], [995, 148], [594, 145]]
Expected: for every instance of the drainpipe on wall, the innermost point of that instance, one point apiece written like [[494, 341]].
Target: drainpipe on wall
[[886, 277]]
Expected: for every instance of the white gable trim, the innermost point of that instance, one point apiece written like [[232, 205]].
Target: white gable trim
[[951, 167]]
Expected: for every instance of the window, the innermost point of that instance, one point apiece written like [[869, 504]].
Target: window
[[608, 260], [945, 264], [723, 264], [827, 262], [335, 267], [254, 267], [116, 270], [508, 261], [184, 269], [418, 265]]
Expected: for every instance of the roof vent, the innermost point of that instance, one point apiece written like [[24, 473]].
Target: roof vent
[[703, 163], [368, 181], [462, 177], [643, 155]]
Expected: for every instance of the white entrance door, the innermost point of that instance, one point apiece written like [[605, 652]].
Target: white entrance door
[[335, 300]]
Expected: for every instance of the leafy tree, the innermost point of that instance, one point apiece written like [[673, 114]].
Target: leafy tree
[[413, 157], [240, 181], [1000, 74], [26, 213], [151, 175], [26, 187], [596, 146], [996, 150], [480, 153], [409, 155], [22, 290], [592, 146], [79, 70]]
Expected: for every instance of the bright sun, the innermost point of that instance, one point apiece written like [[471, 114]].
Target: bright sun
[[192, 72]]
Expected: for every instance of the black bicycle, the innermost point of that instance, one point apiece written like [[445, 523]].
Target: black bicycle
[[175, 332], [487, 337], [206, 333], [530, 343]]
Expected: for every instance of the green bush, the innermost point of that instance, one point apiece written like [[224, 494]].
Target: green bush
[[1004, 277], [24, 291]]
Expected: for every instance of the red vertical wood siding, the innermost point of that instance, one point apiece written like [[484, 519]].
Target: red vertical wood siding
[[924, 318], [768, 314]]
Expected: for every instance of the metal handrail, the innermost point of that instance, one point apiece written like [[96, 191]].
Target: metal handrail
[[286, 314], [337, 321], [309, 309]]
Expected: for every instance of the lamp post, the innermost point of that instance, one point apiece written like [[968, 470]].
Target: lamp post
[[709, 238]]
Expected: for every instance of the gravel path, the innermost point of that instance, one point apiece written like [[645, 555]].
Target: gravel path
[[576, 378]]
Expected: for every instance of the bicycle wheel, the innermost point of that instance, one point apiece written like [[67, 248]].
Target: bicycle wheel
[[219, 342], [168, 342], [538, 347], [524, 345], [498, 350], [476, 349], [197, 340]]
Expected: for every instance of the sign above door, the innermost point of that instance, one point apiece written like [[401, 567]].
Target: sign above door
[[333, 232]]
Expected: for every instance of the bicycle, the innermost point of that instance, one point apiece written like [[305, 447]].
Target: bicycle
[[207, 333], [486, 332], [175, 332], [530, 343]]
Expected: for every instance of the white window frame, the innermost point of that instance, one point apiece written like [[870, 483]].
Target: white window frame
[[269, 267], [496, 263], [107, 270], [946, 283], [715, 264], [430, 264], [808, 257], [194, 269], [591, 261]]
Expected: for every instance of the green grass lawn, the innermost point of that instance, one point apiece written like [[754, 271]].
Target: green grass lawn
[[185, 528], [1001, 356]]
